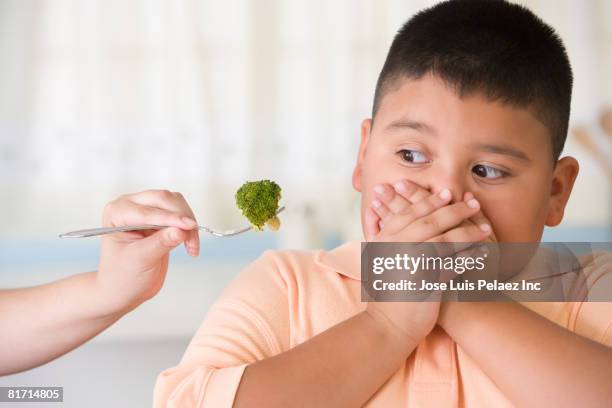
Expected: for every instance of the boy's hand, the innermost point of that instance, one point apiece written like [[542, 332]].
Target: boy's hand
[[133, 265], [408, 213]]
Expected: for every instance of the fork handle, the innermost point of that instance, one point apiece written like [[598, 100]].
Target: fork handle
[[93, 232]]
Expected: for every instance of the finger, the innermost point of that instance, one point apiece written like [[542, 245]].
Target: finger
[[479, 218], [371, 222], [159, 244], [464, 233], [443, 219], [125, 212], [381, 209], [156, 198], [394, 202], [427, 206], [474, 252], [408, 189], [192, 243], [173, 201], [452, 248], [411, 191], [161, 199], [403, 193], [481, 221], [469, 249]]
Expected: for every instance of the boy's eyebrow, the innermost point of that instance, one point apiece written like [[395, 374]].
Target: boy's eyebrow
[[411, 124], [490, 148], [505, 150]]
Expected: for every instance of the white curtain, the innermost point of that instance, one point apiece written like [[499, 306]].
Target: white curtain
[[103, 97]]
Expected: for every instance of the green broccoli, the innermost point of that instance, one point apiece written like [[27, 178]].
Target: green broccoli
[[258, 201]]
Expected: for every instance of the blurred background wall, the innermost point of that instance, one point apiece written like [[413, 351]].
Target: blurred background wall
[[103, 97], [100, 98]]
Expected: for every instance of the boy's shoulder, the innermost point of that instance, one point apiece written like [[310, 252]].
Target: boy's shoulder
[[344, 260], [294, 274], [596, 264], [593, 318]]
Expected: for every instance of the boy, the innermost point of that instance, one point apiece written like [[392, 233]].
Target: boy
[[470, 116]]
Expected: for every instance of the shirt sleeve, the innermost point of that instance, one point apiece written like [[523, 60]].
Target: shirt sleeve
[[249, 322]]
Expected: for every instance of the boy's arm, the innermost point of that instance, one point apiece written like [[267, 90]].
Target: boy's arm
[[343, 366], [39, 324], [534, 361], [242, 353]]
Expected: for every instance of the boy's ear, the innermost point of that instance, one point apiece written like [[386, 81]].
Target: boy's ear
[[366, 128], [563, 179]]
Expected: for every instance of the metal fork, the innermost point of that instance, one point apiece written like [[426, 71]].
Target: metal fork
[[92, 232]]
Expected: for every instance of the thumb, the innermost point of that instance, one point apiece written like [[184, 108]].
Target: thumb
[[162, 242]]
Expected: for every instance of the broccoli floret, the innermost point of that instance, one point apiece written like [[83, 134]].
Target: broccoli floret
[[258, 201]]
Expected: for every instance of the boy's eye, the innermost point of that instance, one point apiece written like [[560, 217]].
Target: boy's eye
[[413, 156], [488, 172]]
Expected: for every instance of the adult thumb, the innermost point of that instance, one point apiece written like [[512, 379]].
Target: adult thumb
[[162, 242]]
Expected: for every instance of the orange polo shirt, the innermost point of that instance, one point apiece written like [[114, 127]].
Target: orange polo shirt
[[286, 297]]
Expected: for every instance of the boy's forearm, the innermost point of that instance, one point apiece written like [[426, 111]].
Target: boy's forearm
[[343, 366], [534, 361], [44, 322]]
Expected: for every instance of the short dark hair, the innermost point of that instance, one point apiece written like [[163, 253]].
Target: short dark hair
[[492, 47]]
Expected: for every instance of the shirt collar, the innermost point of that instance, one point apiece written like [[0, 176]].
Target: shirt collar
[[344, 259]]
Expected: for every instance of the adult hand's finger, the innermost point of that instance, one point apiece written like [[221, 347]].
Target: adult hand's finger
[[150, 207], [154, 247], [192, 243], [126, 212]]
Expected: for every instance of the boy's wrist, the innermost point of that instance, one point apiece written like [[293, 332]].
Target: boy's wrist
[[443, 315], [448, 314], [395, 338], [458, 317]]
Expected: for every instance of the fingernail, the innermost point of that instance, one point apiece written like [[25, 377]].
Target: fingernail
[[400, 186], [190, 222], [485, 227], [379, 189], [376, 203], [473, 203], [380, 224], [445, 194]]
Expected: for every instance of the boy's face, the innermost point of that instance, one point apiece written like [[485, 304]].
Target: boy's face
[[425, 133]]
